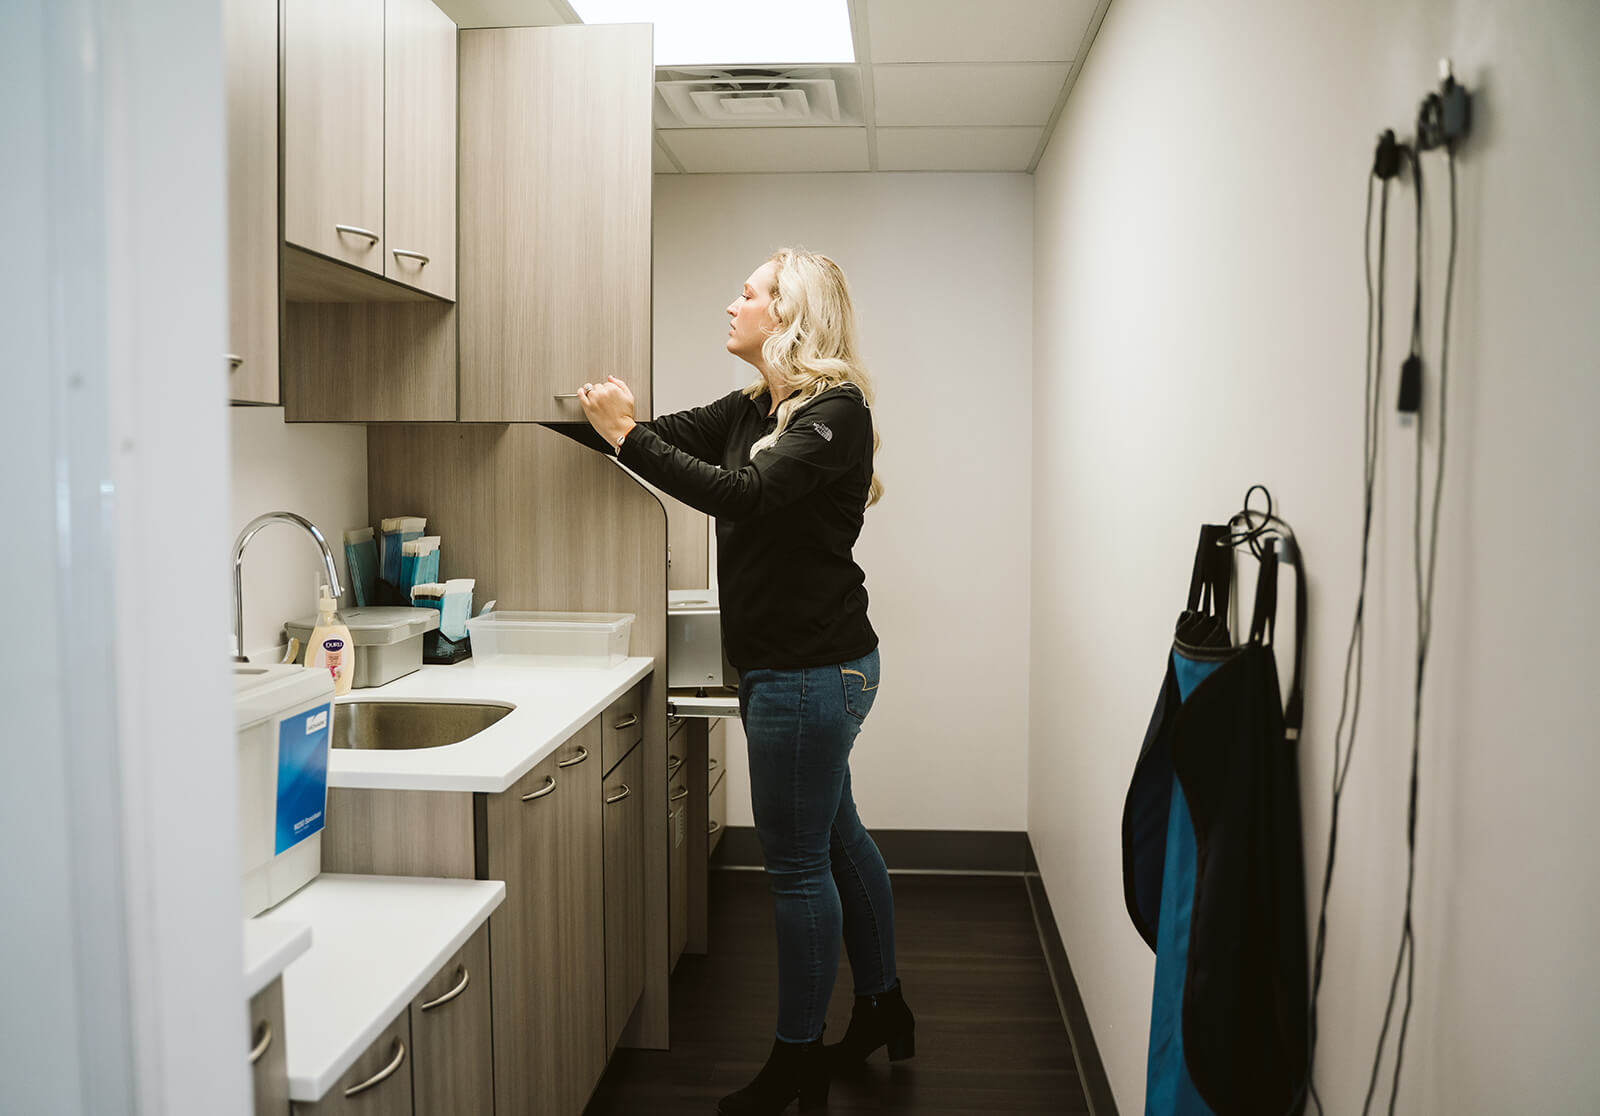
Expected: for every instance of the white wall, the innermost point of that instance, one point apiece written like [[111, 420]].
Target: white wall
[[318, 470], [939, 267], [1199, 316]]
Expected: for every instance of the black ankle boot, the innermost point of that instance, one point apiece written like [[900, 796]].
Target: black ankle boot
[[881, 1020], [794, 1069]]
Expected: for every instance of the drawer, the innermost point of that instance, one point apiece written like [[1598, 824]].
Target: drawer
[[269, 1069], [677, 768], [716, 814], [716, 751], [622, 726], [451, 1066]]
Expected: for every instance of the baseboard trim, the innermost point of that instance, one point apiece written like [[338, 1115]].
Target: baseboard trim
[[1085, 1052], [965, 851]]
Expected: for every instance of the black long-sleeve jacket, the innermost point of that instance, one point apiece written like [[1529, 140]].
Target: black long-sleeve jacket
[[791, 592]]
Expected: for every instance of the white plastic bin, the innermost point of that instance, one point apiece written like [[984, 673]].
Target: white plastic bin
[[576, 639]]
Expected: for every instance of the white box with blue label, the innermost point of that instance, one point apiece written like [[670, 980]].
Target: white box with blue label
[[284, 717]]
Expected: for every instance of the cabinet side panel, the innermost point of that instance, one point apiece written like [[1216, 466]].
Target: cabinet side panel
[[398, 833], [369, 362]]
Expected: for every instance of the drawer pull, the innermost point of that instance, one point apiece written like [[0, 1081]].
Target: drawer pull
[[263, 1040], [465, 978], [409, 255], [549, 785], [574, 761], [357, 230], [712, 826], [234, 360], [616, 798], [565, 395], [673, 721], [678, 795], [382, 1075], [673, 763], [627, 722], [711, 763]]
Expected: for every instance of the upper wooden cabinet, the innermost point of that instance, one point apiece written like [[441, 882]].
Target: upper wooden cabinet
[[250, 32], [555, 218], [419, 155], [369, 132]]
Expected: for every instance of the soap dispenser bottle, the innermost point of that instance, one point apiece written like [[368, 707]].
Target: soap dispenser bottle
[[329, 648]]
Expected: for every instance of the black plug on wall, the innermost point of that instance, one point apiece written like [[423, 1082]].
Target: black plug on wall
[[1444, 117]]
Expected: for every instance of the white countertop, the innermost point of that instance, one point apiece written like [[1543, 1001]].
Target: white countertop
[[377, 941], [268, 949], [551, 704]]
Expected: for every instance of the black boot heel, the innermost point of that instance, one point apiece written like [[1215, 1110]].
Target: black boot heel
[[875, 1021], [814, 1095], [903, 1046]]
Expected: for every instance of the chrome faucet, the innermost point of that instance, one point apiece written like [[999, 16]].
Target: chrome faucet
[[249, 532]]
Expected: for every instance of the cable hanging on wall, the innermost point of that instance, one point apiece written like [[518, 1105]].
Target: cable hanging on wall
[[1442, 121]]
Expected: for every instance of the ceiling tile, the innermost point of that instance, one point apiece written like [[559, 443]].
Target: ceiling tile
[[957, 149], [763, 150], [1016, 93], [660, 164], [503, 13], [961, 31]]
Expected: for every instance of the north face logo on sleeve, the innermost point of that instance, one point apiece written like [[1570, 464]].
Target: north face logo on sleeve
[[820, 428]]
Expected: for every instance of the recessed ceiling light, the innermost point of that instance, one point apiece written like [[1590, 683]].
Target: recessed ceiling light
[[716, 33]]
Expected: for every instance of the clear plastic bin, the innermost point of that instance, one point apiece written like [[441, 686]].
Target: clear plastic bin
[[577, 639]]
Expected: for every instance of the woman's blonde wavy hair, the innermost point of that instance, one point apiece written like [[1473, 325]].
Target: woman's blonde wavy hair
[[813, 347]]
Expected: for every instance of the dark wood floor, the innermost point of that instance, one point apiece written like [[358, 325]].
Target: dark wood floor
[[989, 1034]]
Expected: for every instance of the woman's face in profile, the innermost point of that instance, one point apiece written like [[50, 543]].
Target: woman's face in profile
[[752, 315]]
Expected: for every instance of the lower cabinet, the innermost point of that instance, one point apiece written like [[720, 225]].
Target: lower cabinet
[[269, 1070], [542, 837], [452, 1067], [677, 845], [378, 1084], [623, 820]]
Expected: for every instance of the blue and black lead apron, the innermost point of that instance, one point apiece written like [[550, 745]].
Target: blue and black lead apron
[[1212, 866]]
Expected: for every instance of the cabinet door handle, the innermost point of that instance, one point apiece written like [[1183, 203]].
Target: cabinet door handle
[[234, 360], [673, 763], [382, 1075], [357, 230], [549, 785], [566, 395], [712, 827], [616, 798], [574, 761], [627, 722], [463, 979], [678, 795], [263, 1040], [404, 253]]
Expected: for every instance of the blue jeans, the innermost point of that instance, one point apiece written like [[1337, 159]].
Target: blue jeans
[[827, 875]]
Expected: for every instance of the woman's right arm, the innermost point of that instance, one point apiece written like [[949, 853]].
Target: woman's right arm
[[701, 432]]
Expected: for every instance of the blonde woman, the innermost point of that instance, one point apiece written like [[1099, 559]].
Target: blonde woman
[[785, 466]]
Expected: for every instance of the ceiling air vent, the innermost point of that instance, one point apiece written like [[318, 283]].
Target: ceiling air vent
[[749, 98]]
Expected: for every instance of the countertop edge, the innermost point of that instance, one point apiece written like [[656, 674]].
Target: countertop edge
[[313, 1087], [287, 941]]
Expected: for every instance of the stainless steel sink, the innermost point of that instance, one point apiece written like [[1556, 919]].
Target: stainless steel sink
[[410, 724]]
